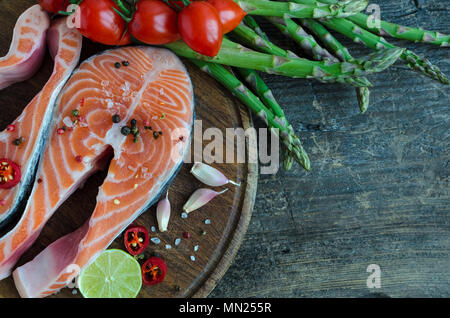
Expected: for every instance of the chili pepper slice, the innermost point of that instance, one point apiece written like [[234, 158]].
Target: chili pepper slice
[[153, 271], [136, 239], [10, 173]]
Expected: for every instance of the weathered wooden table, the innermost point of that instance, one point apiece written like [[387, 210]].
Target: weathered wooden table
[[378, 192]]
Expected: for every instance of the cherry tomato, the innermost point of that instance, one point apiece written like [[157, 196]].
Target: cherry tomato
[[200, 27], [230, 13], [136, 239], [54, 6], [153, 271], [100, 23], [10, 174], [154, 22]]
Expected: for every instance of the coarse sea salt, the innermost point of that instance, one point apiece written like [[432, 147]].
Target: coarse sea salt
[[68, 122], [195, 248], [153, 229], [207, 221], [168, 246], [177, 241], [193, 258], [184, 215], [155, 240]]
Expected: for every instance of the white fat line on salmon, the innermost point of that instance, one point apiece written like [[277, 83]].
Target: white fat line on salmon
[[166, 104], [102, 197], [145, 206]]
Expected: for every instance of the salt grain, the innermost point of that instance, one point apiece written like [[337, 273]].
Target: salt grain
[[177, 241], [207, 221], [155, 240], [168, 246], [153, 229], [68, 122], [193, 258], [195, 248], [184, 215]]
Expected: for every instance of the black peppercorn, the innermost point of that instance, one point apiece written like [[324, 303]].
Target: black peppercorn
[[117, 65], [133, 122], [125, 63], [125, 131], [116, 119]]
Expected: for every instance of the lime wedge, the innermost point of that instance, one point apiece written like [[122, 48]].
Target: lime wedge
[[113, 274]]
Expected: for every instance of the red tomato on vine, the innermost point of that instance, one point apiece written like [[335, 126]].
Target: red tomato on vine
[[154, 22], [230, 13], [101, 23], [200, 27]]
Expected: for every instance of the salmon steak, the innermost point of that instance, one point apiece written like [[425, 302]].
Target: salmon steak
[[136, 102], [27, 48], [23, 140]]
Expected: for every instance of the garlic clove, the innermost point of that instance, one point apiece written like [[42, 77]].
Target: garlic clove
[[199, 198], [210, 176], [163, 213]]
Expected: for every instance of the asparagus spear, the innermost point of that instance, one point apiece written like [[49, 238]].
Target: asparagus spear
[[360, 35], [302, 9], [250, 38], [304, 40], [400, 31], [289, 140], [266, 96], [233, 54], [252, 24], [362, 93], [263, 91]]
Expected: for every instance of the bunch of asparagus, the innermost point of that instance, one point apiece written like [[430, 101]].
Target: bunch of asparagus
[[253, 52]]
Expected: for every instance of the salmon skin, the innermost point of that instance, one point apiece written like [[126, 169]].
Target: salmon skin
[[33, 124], [145, 89], [27, 48]]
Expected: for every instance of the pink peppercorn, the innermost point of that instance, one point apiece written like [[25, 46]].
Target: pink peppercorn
[[11, 128], [187, 235], [60, 131], [79, 159], [2, 202]]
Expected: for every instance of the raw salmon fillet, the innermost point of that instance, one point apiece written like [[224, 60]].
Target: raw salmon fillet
[[27, 47], [155, 91], [33, 124]]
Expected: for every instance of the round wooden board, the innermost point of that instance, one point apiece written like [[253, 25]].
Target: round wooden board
[[229, 213]]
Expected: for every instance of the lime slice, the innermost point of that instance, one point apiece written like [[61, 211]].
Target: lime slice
[[113, 274]]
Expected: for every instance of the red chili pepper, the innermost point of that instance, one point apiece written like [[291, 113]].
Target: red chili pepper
[[10, 174], [11, 128], [153, 271], [136, 239]]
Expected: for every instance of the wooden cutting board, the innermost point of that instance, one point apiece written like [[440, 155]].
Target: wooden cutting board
[[229, 213]]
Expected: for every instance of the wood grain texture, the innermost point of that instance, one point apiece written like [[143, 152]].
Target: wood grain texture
[[378, 192], [229, 213]]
